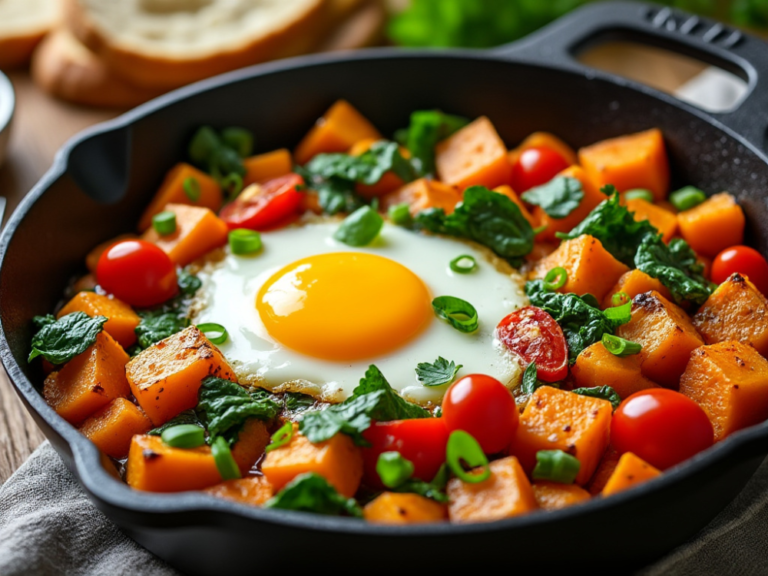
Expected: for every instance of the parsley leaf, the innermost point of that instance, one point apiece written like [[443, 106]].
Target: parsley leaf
[[312, 493], [427, 128], [558, 197], [58, 341], [186, 417], [438, 373], [603, 392]]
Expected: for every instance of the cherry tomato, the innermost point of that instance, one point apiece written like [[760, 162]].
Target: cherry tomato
[[277, 200], [534, 336], [483, 407], [536, 166], [744, 260], [662, 427], [138, 273], [422, 441]]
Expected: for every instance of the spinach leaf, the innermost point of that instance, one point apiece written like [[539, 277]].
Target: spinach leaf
[[531, 380], [582, 324], [373, 399], [186, 417], [189, 284], [223, 406], [558, 197], [360, 228], [312, 493], [296, 402], [603, 392], [488, 218], [158, 325], [427, 128], [58, 341], [438, 373]]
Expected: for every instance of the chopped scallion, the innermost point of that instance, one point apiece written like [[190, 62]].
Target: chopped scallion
[[687, 198], [216, 333], [462, 450], [555, 279], [184, 436], [619, 346], [244, 242], [225, 462], [556, 466], [464, 264], [191, 188], [639, 194], [393, 469], [282, 437], [164, 223], [400, 214], [457, 312]]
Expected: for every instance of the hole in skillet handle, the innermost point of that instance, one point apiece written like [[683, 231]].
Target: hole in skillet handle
[[99, 164]]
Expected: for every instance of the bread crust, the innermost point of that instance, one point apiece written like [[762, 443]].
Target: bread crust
[[16, 51]]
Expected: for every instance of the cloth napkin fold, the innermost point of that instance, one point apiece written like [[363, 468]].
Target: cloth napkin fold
[[49, 527]]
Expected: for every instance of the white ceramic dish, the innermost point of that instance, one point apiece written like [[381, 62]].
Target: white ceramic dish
[[7, 107]]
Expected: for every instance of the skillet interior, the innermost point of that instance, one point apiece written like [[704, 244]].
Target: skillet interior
[[101, 182]]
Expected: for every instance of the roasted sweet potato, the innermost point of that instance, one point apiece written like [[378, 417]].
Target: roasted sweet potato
[[122, 320], [253, 490], [198, 231], [633, 283], [729, 380], [166, 377], [544, 140], [666, 334], [633, 161], [630, 471], [251, 442], [559, 420], [112, 427], [554, 496], [591, 268], [264, 167], [172, 192], [338, 460], [714, 225], [339, 128], [392, 508], [389, 181], [604, 471], [473, 156], [422, 194], [596, 366], [509, 193], [89, 381], [505, 494], [92, 259], [660, 218]]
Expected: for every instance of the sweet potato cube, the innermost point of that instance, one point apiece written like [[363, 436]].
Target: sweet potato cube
[[554, 496], [512, 195], [729, 380], [633, 283], [559, 420], [737, 311], [92, 259], [473, 156], [604, 471], [630, 471], [153, 466], [198, 231], [666, 334], [122, 320], [337, 460], [253, 490], [392, 508], [660, 218], [591, 268], [89, 381], [251, 442], [112, 427], [339, 128], [544, 140], [265, 167], [505, 494], [166, 377], [172, 192], [632, 161], [389, 181], [422, 194], [596, 366], [714, 225]]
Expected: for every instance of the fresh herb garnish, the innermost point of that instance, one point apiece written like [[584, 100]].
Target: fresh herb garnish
[[222, 457], [58, 341], [360, 228], [558, 197], [216, 333], [438, 373], [400, 214], [556, 466], [185, 417], [244, 242], [296, 402], [676, 266], [464, 264], [457, 312], [396, 474], [620, 347], [556, 279], [183, 436], [283, 436], [462, 450], [602, 392], [531, 380], [312, 493], [221, 155], [687, 198], [427, 128]]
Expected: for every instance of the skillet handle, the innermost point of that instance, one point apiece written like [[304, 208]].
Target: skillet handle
[[701, 38]]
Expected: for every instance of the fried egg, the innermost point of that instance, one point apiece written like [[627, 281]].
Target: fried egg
[[308, 312]]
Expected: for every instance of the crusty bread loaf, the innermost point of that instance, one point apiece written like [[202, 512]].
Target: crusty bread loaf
[[23, 23]]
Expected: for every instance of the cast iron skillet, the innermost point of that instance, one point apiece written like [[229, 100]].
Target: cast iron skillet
[[101, 181]]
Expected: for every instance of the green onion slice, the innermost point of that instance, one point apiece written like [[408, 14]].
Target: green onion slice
[[400, 214], [620, 298], [639, 194], [360, 228], [243, 242], [457, 312], [164, 223], [687, 198], [464, 264], [191, 188], [556, 466], [183, 436], [555, 279], [280, 438], [222, 456], [463, 449], [393, 469], [619, 346], [232, 184], [216, 333]]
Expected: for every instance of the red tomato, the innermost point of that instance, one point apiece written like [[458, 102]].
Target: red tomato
[[483, 407], [138, 273], [534, 336], [277, 200], [744, 260], [536, 166], [421, 441], [662, 427]]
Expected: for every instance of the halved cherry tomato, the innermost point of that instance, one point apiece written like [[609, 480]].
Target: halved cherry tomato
[[276, 201], [536, 166], [534, 336], [483, 407], [744, 260], [138, 273], [422, 441], [662, 427]]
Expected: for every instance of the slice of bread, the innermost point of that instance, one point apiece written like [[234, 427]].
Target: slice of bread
[[23, 24], [169, 43]]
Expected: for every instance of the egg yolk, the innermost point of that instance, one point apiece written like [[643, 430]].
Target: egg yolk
[[344, 306]]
